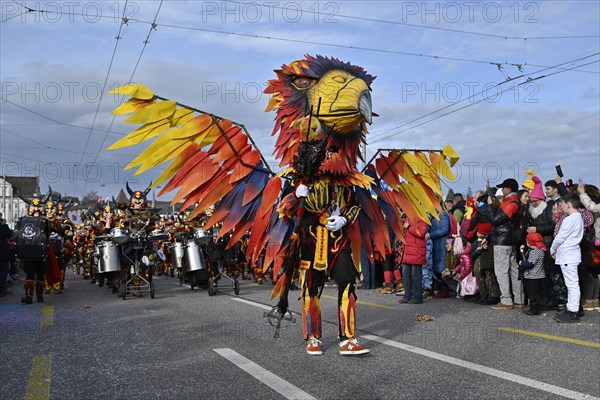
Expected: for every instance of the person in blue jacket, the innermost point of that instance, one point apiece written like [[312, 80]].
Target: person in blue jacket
[[438, 232]]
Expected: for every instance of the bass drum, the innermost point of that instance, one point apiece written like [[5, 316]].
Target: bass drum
[[109, 257], [194, 258], [177, 253]]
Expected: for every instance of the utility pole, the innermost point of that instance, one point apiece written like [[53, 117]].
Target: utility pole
[[4, 197]]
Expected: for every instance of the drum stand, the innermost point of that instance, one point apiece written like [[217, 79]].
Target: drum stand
[[212, 285], [128, 286]]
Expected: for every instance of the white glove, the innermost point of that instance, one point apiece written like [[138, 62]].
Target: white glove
[[301, 191], [335, 223]]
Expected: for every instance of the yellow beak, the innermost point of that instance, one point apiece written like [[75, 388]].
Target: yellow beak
[[345, 101]]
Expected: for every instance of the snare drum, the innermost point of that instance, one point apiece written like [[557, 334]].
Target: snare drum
[[194, 259], [109, 257], [158, 235], [177, 252], [119, 235]]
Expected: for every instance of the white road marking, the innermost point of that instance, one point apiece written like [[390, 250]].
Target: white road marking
[[252, 303], [281, 386], [546, 387]]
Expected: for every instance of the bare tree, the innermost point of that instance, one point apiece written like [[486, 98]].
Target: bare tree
[[90, 197]]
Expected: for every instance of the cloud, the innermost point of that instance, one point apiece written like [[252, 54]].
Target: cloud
[[223, 74]]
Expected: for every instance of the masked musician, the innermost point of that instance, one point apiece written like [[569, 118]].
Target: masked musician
[[60, 228], [140, 221], [35, 266]]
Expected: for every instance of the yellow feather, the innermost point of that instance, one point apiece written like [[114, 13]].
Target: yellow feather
[[141, 134], [424, 169], [181, 117], [448, 152], [153, 113], [134, 90], [171, 143], [274, 102], [439, 164], [175, 166], [420, 195], [132, 105], [404, 188]]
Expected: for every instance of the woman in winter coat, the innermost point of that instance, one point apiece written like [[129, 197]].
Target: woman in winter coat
[[413, 260]]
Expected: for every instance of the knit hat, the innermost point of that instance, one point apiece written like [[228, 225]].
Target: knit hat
[[535, 239], [537, 192]]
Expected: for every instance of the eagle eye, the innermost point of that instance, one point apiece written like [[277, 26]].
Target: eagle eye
[[302, 82]]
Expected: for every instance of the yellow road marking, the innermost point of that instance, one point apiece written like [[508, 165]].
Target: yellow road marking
[[551, 337], [38, 386], [47, 316]]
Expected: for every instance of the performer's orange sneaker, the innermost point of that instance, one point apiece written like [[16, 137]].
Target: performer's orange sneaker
[[351, 347], [314, 347]]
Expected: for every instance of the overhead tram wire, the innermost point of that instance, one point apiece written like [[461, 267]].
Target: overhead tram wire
[[336, 45], [481, 92], [477, 102], [54, 120], [146, 41], [36, 142], [375, 20], [437, 28], [123, 22]]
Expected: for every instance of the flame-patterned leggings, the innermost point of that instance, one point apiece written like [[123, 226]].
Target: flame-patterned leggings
[[312, 281]]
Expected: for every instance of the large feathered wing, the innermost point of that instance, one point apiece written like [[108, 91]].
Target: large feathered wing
[[213, 161], [404, 181]]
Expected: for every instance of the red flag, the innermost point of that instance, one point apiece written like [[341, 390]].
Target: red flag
[[52, 270]]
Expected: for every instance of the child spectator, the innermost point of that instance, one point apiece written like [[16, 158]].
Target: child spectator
[[461, 271], [532, 264], [451, 263], [567, 254], [413, 259]]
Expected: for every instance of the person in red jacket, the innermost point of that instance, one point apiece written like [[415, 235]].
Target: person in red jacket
[[413, 260], [505, 217]]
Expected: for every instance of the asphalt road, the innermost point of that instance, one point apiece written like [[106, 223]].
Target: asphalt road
[[89, 344]]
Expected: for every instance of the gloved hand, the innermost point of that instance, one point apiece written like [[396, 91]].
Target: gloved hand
[[301, 191], [335, 223]]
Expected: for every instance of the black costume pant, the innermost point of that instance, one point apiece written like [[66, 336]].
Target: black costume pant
[[535, 290]]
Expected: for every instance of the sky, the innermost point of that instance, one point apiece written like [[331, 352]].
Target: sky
[[510, 85]]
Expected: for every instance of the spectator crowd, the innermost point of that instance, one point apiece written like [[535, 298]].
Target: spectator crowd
[[534, 247]]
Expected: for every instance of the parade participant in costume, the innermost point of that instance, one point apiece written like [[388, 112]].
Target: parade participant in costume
[[140, 220], [36, 265], [59, 230], [324, 208]]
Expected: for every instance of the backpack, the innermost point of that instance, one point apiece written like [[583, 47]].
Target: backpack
[[31, 239]]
